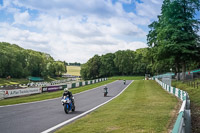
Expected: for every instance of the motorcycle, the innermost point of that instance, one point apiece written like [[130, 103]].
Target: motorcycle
[[124, 82], [105, 92], [68, 105]]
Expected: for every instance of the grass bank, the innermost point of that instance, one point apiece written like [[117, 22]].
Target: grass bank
[[50, 95], [127, 77], [143, 107], [12, 81], [194, 94]]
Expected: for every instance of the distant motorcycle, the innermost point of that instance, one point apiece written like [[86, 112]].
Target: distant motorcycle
[[105, 91], [68, 105], [124, 82]]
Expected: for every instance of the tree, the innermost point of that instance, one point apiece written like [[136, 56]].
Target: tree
[[142, 61], [91, 69], [124, 61], [94, 67], [19, 63], [84, 71], [107, 65], [175, 32], [59, 68]]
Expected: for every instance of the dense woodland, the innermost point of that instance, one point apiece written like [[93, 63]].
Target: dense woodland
[[124, 62], [174, 45], [19, 63]]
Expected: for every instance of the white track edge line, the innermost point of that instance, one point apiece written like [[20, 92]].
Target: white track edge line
[[53, 98], [76, 117]]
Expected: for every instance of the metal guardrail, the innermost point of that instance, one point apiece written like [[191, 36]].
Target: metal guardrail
[[183, 121]]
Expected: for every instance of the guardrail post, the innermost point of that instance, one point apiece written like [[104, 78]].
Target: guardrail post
[[187, 104], [187, 115]]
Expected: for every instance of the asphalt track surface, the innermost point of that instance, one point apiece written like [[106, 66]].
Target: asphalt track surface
[[40, 116]]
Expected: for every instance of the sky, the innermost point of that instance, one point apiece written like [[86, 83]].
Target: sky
[[76, 30]]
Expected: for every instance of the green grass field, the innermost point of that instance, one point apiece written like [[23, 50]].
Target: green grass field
[[143, 107], [44, 96], [73, 70]]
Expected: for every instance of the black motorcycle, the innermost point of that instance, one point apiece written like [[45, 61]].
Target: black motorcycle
[[105, 91]]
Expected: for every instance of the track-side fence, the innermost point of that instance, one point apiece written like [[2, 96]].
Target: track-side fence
[[50, 88], [183, 121]]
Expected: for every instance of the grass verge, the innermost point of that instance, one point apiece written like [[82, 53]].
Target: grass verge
[[195, 103], [127, 77], [50, 95], [142, 107]]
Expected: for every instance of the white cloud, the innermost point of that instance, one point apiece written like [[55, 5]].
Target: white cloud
[[76, 30], [21, 18], [24, 38], [149, 8], [126, 1], [64, 46], [101, 8]]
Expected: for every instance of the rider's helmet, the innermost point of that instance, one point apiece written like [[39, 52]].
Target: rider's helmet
[[105, 86], [66, 90]]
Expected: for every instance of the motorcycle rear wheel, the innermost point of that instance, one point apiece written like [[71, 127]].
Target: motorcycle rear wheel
[[73, 109]]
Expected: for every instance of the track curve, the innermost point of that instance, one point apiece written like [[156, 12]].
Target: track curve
[[40, 116]]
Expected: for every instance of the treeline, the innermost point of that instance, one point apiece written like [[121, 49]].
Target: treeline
[[119, 63], [140, 62], [73, 64], [19, 63]]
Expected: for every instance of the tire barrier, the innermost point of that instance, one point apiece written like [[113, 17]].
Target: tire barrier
[[49, 88], [183, 121], [36, 84], [88, 82], [1, 94]]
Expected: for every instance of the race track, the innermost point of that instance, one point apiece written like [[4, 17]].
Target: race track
[[40, 116]]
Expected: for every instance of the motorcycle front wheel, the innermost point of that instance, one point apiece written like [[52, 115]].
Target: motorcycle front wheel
[[66, 108]]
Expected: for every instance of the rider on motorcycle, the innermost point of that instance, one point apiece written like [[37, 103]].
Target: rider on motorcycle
[[105, 88], [124, 81], [68, 93]]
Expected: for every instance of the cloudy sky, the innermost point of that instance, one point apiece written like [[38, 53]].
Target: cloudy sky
[[76, 30]]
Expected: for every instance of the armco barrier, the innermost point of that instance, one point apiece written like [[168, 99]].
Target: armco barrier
[[183, 121]]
